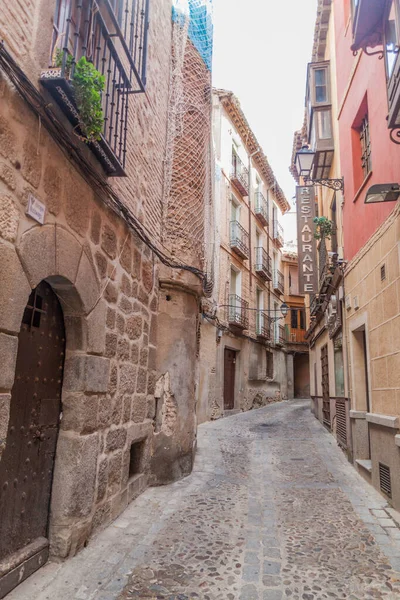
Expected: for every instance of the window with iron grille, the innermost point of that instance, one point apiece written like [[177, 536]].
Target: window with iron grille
[[293, 319], [365, 146], [302, 319]]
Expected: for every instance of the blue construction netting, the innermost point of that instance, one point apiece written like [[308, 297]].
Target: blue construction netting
[[200, 30]]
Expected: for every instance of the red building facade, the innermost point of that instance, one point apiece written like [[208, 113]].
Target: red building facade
[[362, 111]]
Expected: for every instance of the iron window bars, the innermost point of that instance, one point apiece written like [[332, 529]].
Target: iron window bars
[[365, 146]]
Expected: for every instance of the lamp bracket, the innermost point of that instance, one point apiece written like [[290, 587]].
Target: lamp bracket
[[333, 184], [395, 134]]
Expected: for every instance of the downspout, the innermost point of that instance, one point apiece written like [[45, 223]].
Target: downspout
[[250, 196]]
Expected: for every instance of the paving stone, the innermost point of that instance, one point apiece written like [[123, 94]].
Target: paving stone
[[251, 558], [271, 567], [275, 594], [249, 592], [316, 527], [251, 572]]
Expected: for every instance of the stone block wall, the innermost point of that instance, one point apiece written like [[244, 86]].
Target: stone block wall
[[372, 280], [118, 389]]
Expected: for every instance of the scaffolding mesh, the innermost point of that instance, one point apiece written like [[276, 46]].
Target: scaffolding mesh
[[188, 162]]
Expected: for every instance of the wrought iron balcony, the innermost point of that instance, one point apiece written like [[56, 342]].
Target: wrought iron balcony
[[315, 304], [115, 42], [239, 239], [238, 315], [261, 208], [278, 281], [280, 335], [263, 264], [278, 233], [239, 175], [263, 325]]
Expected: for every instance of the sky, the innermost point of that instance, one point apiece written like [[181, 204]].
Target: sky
[[261, 51]]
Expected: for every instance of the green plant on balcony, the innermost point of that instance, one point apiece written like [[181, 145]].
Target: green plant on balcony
[[88, 84], [324, 228]]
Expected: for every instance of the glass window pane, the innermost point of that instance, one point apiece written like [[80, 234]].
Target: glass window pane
[[391, 40], [324, 124], [320, 76], [320, 85]]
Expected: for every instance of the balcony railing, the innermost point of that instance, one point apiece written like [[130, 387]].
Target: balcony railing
[[116, 44], [263, 264], [239, 239], [261, 208], [238, 315], [240, 175], [278, 233], [295, 336], [279, 334], [263, 325], [278, 281]]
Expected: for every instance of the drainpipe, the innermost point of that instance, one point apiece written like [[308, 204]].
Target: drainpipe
[[250, 196]]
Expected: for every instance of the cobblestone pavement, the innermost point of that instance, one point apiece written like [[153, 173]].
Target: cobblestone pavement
[[272, 511]]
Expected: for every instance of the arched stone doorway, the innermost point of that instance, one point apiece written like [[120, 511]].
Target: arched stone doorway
[[27, 463]]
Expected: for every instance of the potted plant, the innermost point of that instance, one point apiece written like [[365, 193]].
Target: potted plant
[[88, 85]]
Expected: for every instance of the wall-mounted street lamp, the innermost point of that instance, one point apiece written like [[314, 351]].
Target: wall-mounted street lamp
[[304, 165], [284, 308], [386, 192]]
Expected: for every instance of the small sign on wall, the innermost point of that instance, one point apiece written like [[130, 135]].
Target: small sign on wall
[[305, 240], [36, 209]]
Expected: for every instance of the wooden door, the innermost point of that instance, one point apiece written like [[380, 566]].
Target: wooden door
[[229, 379], [326, 403], [26, 466]]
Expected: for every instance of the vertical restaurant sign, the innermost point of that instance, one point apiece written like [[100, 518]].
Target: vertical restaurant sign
[[306, 243]]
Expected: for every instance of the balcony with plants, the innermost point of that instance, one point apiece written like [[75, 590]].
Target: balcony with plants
[[98, 59], [239, 239], [262, 265]]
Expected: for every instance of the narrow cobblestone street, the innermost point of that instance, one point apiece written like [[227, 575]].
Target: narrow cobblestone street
[[272, 510]]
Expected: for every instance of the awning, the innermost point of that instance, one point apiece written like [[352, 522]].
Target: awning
[[368, 25]]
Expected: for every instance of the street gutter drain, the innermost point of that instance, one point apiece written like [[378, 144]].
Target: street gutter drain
[[384, 480]]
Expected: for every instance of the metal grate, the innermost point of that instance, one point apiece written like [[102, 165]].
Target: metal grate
[[384, 480], [383, 272], [326, 407], [341, 423], [365, 146]]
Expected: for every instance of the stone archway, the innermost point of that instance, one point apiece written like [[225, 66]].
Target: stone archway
[[51, 253]]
